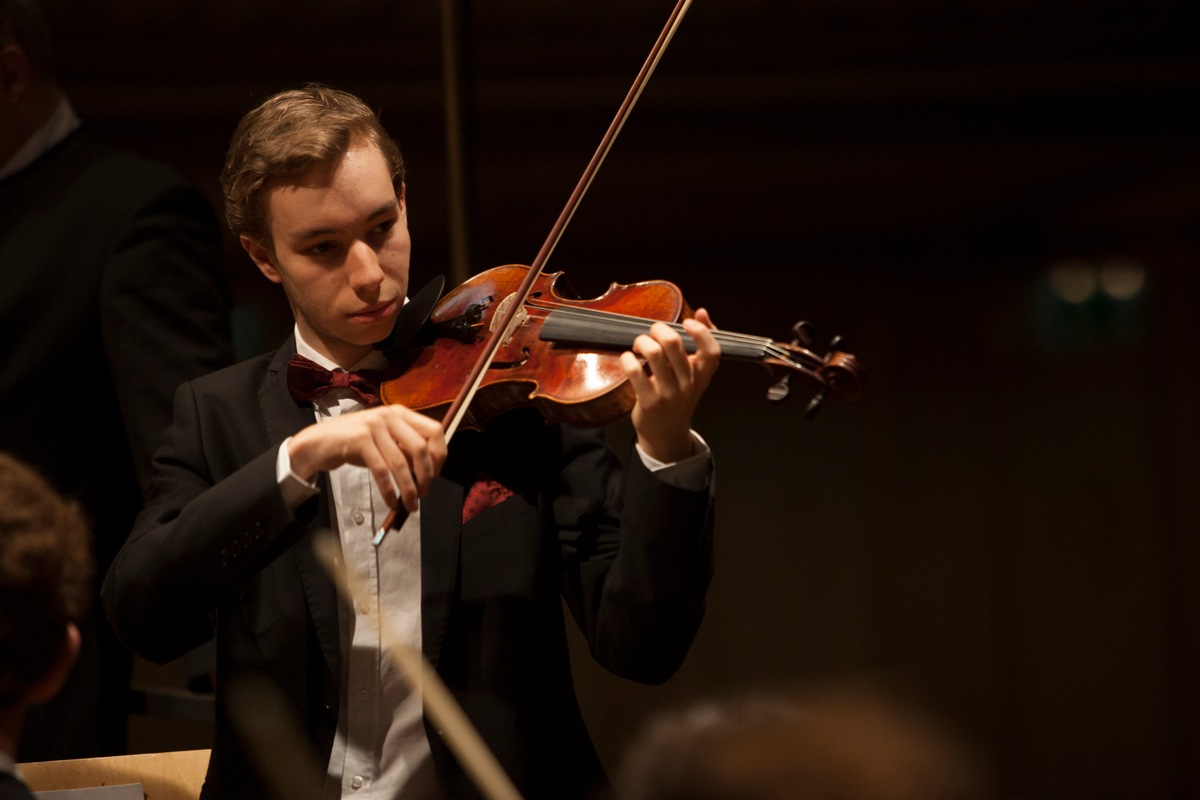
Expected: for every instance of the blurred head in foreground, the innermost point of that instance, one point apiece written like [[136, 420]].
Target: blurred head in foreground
[[45, 586], [834, 742]]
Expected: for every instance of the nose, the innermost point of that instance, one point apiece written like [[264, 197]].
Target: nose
[[362, 265]]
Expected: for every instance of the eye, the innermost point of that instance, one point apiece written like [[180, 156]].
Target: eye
[[321, 248], [379, 234]]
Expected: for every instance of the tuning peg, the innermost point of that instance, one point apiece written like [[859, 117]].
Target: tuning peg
[[801, 337], [779, 389], [802, 334], [814, 405]]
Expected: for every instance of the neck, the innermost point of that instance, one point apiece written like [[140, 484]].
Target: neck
[[342, 354], [348, 359]]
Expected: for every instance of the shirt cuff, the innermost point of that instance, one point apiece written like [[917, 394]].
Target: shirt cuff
[[692, 473], [295, 490]]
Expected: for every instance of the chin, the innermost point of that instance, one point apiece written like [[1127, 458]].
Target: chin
[[376, 332]]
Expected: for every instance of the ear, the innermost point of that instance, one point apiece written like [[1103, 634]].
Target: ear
[[260, 254], [15, 73], [45, 687], [400, 198]]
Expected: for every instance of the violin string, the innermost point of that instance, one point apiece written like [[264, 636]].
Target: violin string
[[595, 326], [564, 309], [628, 326], [621, 324], [624, 321]]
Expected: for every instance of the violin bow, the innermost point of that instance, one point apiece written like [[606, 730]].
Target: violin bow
[[500, 329], [455, 110]]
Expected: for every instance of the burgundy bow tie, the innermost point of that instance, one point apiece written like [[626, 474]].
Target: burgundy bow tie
[[308, 380]]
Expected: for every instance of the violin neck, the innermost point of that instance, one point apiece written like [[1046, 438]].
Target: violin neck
[[617, 331]]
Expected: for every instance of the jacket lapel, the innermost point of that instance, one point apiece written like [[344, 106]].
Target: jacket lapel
[[284, 417], [441, 512]]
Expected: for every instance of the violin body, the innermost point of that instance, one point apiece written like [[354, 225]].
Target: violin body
[[562, 356], [582, 386]]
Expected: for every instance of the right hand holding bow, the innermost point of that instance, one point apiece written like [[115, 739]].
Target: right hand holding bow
[[403, 449]]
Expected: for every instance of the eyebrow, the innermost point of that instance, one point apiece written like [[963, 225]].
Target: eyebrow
[[313, 233]]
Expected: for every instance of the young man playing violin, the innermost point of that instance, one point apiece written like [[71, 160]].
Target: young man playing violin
[[315, 190]]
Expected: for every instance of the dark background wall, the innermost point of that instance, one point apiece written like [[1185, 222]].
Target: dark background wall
[[1005, 527]]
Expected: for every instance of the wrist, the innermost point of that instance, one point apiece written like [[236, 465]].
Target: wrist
[[667, 451], [301, 457]]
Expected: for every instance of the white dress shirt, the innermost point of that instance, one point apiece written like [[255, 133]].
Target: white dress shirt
[[380, 749]]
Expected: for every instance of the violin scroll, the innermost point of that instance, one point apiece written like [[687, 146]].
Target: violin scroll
[[837, 374]]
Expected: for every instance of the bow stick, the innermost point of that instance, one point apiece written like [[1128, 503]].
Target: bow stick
[[500, 332]]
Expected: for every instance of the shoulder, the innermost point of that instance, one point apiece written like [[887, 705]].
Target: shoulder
[[249, 373], [105, 160], [106, 180], [235, 412]]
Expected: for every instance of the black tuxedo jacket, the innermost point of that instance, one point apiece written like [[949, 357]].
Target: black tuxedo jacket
[[216, 547]]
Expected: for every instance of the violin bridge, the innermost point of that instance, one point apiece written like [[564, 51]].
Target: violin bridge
[[519, 318]]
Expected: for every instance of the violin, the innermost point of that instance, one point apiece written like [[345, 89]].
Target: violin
[[562, 356]]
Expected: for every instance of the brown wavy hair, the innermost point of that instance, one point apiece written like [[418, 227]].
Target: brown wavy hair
[[287, 135], [46, 575]]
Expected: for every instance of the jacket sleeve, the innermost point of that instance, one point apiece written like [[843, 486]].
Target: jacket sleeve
[[637, 559], [206, 524]]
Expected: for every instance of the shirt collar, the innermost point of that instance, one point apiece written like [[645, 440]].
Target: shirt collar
[[372, 360], [61, 123]]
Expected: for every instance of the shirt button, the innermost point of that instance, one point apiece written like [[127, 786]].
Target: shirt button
[[358, 517], [364, 608], [357, 782], [363, 694]]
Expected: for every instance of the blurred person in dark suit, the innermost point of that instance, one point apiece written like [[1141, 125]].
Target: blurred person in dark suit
[[46, 586], [112, 292]]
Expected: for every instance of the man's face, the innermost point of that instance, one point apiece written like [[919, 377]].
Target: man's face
[[341, 252]]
